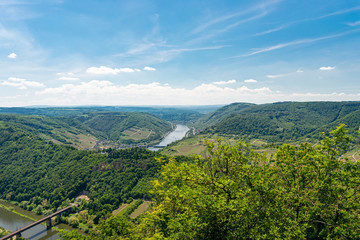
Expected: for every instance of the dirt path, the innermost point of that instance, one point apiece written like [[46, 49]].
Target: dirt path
[[353, 156]]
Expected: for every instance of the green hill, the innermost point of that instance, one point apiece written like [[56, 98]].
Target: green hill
[[284, 122], [41, 175], [60, 130], [174, 114], [287, 121], [219, 114], [127, 127], [84, 130]]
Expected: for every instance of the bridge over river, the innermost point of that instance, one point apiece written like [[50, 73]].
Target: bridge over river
[[18, 232]]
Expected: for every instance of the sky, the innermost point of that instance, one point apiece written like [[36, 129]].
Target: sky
[[161, 52]]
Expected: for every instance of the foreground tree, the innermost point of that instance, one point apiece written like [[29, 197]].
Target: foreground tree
[[304, 192]]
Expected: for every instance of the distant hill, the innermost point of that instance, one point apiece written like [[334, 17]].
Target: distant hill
[[219, 114], [60, 130], [172, 114], [287, 121], [127, 127], [84, 130]]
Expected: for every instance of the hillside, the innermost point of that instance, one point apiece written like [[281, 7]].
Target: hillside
[[127, 127], [181, 115], [60, 130], [41, 174], [278, 123], [287, 121], [85, 130], [219, 114]]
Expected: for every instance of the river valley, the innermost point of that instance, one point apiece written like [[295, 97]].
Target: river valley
[[12, 221]]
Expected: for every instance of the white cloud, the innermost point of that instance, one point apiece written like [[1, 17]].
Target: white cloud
[[250, 80], [107, 93], [327, 68], [21, 83], [12, 55], [277, 76], [225, 82], [107, 70], [149, 69], [299, 71], [65, 78], [65, 74]]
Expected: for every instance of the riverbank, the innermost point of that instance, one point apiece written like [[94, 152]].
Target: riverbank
[[3, 232], [31, 216], [19, 211]]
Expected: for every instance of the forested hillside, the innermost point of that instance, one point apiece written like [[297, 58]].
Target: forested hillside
[[61, 130], [84, 130], [174, 114], [127, 127], [250, 193], [42, 176], [219, 114], [287, 121], [303, 192]]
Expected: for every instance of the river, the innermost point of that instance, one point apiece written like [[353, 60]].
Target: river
[[12, 221], [178, 134]]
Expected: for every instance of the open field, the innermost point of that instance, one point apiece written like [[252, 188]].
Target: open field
[[122, 207], [141, 209], [136, 134], [354, 154], [195, 145]]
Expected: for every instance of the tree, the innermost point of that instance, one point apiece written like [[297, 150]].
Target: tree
[[304, 192]]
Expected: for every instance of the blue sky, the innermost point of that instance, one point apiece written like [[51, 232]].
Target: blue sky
[[161, 52]]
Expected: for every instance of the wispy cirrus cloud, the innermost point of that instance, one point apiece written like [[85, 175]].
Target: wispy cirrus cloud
[[235, 15], [169, 54], [295, 42], [283, 26], [354, 24]]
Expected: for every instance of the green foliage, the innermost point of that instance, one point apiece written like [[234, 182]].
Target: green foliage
[[219, 114], [43, 176], [77, 129], [115, 227], [113, 125], [283, 122], [305, 192], [59, 129], [178, 115], [3, 232]]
